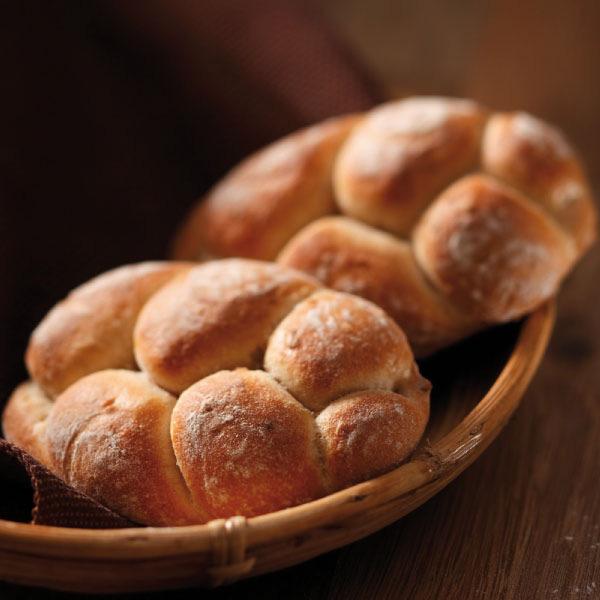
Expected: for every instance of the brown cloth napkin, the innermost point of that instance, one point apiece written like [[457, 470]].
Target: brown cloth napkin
[[248, 72], [31, 493]]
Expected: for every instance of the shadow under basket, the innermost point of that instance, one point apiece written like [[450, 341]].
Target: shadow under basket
[[477, 385]]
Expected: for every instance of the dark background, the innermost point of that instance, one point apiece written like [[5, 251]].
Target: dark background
[[115, 115]]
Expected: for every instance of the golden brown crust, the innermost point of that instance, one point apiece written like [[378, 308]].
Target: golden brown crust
[[217, 316], [358, 259], [368, 433], [490, 250], [243, 443], [245, 446], [401, 155], [486, 248], [334, 343], [535, 158], [108, 436], [24, 419], [257, 207], [396, 161], [91, 328]]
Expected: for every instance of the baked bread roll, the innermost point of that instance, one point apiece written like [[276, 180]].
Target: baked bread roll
[[176, 394], [448, 216]]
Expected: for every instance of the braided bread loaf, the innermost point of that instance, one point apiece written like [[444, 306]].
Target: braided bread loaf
[[452, 218], [258, 390]]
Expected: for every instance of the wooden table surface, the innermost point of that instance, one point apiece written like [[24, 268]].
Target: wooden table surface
[[524, 521]]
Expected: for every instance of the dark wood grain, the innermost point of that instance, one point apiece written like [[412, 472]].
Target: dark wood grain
[[524, 521]]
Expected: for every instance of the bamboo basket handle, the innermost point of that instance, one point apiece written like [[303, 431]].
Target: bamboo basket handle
[[228, 545]]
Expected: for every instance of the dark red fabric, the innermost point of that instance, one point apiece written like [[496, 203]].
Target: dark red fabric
[[114, 117]]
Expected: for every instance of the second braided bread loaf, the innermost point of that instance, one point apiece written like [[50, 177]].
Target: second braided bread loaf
[[449, 216]]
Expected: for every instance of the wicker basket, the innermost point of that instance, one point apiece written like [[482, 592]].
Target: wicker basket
[[475, 392]]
